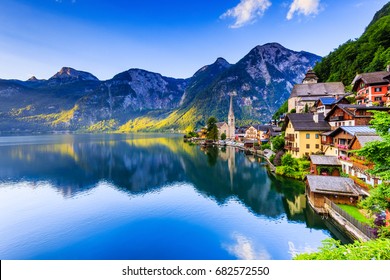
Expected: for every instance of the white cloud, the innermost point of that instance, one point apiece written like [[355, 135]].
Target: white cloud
[[246, 12], [244, 249], [305, 7]]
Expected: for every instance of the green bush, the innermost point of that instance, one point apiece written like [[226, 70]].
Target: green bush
[[378, 249]]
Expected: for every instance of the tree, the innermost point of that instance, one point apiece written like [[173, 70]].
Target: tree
[[212, 129], [306, 108], [378, 151], [223, 136], [277, 143]]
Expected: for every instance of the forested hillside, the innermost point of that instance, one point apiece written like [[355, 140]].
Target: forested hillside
[[369, 53]]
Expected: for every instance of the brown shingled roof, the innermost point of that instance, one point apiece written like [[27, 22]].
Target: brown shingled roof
[[318, 89], [305, 122], [371, 78]]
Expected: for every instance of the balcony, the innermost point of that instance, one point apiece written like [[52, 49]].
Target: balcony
[[288, 147], [290, 137], [294, 149], [361, 164], [344, 158], [343, 147], [336, 118]]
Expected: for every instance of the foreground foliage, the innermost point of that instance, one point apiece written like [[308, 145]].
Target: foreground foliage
[[378, 249]]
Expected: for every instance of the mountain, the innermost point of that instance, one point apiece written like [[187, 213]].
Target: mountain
[[369, 53], [140, 100]]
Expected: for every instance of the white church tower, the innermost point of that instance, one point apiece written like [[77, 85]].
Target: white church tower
[[231, 119]]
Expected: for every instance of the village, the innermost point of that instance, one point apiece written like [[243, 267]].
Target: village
[[323, 128]]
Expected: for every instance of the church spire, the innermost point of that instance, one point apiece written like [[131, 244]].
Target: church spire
[[231, 119]]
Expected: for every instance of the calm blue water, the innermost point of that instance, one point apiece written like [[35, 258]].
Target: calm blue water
[[146, 197]]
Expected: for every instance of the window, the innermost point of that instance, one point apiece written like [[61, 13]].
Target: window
[[378, 89], [307, 146], [307, 135], [349, 123], [378, 98], [317, 146], [317, 136]]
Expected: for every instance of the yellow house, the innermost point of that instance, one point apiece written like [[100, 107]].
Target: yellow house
[[303, 133]]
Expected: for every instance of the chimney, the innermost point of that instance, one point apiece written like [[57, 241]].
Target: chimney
[[315, 117]]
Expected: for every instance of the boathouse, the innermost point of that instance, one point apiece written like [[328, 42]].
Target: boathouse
[[325, 165], [339, 190]]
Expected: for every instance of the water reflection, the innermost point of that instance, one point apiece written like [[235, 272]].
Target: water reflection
[[139, 165]]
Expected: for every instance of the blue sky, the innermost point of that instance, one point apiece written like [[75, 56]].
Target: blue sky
[[171, 37]]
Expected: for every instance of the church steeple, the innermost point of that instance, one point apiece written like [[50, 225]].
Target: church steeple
[[231, 119]]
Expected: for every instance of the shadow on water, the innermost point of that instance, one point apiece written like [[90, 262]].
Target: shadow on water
[[139, 164]]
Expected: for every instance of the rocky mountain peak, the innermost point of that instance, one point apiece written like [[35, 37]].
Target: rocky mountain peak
[[223, 62], [70, 74], [33, 79]]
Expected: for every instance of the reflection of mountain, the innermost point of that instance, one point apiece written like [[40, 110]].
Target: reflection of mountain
[[139, 164], [80, 162]]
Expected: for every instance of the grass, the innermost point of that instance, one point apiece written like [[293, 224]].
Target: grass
[[355, 212]]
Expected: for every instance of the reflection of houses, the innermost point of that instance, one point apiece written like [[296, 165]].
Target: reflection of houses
[[302, 136], [340, 190], [223, 128], [306, 94], [297, 206], [351, 115], [325, 165], [372, 87]]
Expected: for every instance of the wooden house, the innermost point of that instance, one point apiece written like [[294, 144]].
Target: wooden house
[[339, 190], [351, 115], [341, 138], [324, 104], [359, 166], [372, 88], [302, 134], [325, 165]]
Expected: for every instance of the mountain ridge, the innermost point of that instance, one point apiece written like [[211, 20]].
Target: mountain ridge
[[138, 99]]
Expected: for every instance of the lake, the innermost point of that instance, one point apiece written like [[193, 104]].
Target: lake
[[146, 197]]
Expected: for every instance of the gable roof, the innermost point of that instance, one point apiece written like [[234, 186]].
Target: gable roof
[[220, 124], [370, 78], [332, 184], [324, 160], [305, 122], [365, 138], [352, 130], [351, 110], [318, 89]]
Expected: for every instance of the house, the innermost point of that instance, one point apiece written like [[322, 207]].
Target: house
[[372, 88], [273, 131], [339, 190], [268, 153], [306, 94], [202, 133], [325, 104], [340, 138], [262, 136], [359, 166], [325, 165], [223, 128], [250, 133], [240, 133], [351, 115], [302, 133]]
